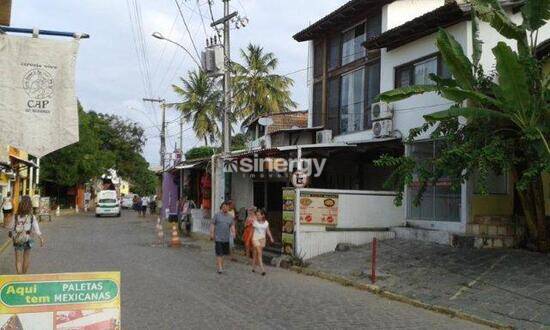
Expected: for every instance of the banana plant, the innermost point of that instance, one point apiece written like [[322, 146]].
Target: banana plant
[[498, 121]]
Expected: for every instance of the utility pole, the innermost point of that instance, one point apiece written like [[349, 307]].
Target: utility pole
[[162, 131], [226, 20], [226, 79]]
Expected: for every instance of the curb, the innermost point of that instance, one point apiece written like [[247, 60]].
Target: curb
[[397, 297], [4, 246]]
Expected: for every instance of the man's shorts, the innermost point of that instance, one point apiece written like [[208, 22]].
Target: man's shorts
[[222, 249]]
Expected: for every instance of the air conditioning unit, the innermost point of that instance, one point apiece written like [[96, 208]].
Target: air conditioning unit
[[382, 128], [381, 110], [324, 136]]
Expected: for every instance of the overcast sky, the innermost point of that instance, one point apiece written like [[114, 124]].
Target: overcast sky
[[108, 76]]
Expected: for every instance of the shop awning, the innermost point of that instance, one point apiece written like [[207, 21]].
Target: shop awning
[[316, 146], [185, 167], [23, 161]]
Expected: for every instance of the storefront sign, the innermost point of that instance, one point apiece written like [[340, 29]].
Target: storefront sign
[[44, 206], [299, 179], [60, 301], [39, 108], [319, 209], [289, 197]]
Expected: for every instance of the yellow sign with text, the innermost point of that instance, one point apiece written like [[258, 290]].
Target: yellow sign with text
[[60, 301]]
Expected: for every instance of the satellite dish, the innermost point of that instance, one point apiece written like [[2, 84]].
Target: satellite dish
[[265, 121]]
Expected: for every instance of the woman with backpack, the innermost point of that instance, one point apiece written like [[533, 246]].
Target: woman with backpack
[[24, 228]]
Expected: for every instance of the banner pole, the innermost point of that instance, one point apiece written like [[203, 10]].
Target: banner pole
[[4, 28]]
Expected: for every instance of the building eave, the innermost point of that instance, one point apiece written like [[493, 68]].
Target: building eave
[[339, 18], [447, 15]]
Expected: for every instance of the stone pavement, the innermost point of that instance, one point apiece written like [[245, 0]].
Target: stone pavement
[[510, 287], [164, 288]]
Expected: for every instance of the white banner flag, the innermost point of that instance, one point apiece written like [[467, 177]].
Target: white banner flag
[[38, 109]]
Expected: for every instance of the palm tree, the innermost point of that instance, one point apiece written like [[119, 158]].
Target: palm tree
[[200, 104], [257, 90]]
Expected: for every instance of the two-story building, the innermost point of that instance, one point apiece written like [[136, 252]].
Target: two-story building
[[367, 47]]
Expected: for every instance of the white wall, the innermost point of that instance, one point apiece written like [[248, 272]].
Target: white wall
[[313, 244], [200, 224], [399, 12], [310, 78], [356, 209]]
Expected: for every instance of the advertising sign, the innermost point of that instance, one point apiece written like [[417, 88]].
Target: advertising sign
[[318, 209], [289, 196], [44, 206], [38, 101], [73, 301]]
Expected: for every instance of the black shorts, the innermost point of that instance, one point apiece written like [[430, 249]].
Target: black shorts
[[222, 249], [7, 211]]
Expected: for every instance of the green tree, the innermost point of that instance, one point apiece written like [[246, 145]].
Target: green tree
[[106, 141], [77, 163], [238, 141], [498, 123], [257, 90], [200, 152], [201, 101]]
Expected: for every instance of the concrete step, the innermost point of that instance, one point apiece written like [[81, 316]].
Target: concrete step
[[485, 242], [421, 234]]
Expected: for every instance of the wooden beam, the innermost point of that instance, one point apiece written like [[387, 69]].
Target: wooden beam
[[5, 12]]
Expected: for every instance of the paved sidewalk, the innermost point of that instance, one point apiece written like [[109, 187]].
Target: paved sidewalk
[[511, 287]]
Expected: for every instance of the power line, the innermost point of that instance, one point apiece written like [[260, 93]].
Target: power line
[[187, 29], [202, 18]]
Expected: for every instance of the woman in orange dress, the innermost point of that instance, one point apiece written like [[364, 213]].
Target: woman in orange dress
[[249, 231]]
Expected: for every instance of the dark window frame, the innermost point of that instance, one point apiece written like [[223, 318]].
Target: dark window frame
[[409, 66], [318, 59]]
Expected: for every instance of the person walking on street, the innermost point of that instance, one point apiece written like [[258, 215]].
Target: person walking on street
[[144, 203], [221, 230], [7, 209], [35, 202], [261, 229], [24, 228], [249, 231]]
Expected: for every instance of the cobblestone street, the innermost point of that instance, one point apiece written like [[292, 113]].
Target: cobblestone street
[[165, 288]]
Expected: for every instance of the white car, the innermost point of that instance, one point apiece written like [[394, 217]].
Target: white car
[[107, 204]]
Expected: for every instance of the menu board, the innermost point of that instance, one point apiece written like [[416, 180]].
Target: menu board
[[44, 206], [289, 197], [318, 209]]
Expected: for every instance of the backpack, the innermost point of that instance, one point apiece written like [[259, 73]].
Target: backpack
[[22, 230]]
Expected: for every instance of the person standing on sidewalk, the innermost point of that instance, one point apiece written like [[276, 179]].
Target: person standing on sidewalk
[[221, 230], [35, 202], [7, 209], [24, 228], [261, 229]]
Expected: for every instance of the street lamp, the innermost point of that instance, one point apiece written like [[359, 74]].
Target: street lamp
[[159, 36]]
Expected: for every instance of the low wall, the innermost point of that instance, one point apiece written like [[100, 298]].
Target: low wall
[[362, 216], [316, 243], [200, 223]]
